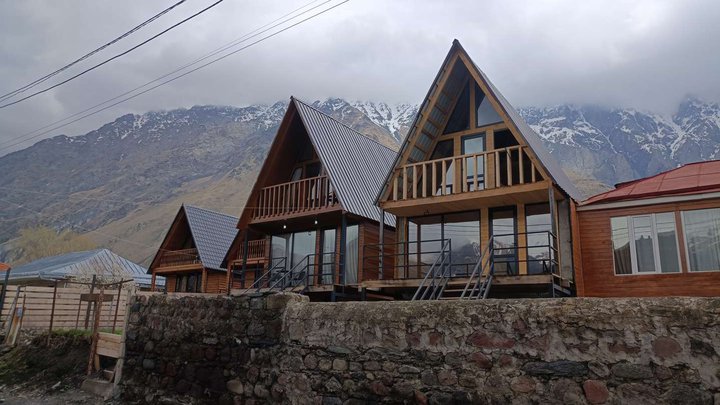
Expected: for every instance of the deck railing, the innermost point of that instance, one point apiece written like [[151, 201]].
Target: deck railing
[[304, 195], [461, 174], [255, 250], [178, 257]]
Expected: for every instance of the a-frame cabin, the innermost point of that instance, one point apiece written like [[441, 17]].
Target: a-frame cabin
[[482, 208], [312, 209], [192, 251]]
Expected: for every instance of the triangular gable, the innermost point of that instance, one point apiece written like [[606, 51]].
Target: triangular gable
[[212, 233], [456, 69], [355, 164]]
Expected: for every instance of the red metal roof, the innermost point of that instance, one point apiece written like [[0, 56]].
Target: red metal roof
[[692, 178]]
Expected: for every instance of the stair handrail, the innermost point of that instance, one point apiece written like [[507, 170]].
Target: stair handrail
[[274, 266], [446, 247], [304, 261], [478, 270]]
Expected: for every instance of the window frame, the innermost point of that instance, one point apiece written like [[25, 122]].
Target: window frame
[[685, 241], [655, 245]]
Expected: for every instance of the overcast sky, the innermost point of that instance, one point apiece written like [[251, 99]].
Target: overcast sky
[[647, 55]]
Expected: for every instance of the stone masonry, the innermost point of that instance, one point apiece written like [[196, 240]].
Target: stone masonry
[[283, 349]]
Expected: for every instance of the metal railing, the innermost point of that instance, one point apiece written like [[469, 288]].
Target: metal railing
[[264, 280], [482, 275], [432, 286]]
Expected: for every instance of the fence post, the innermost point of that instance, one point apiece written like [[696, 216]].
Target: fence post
[[117, 307], [87, 312], [52, 313]]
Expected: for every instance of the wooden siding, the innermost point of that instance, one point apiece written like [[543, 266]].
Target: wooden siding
[[597, 275], [215, 282], [370, 235]]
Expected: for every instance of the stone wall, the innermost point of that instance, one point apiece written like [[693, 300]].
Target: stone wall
[[281, 348]]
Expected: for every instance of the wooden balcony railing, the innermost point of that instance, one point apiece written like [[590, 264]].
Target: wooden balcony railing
[[294, 197], [461, 174], [255, 251], [179, 257]]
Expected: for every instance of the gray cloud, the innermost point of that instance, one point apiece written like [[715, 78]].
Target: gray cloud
[[648, 54]]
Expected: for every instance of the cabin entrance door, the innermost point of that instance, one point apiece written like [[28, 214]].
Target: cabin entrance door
[[503, 229]]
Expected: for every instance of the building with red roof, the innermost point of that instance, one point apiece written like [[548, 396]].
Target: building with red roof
[[656, 236]]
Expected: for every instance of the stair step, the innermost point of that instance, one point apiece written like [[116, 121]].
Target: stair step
[[108, 374]]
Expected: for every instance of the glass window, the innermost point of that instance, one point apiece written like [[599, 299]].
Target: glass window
[[502, 223], [621, 245], [486, 114], [279, 248], [645, 244], [460, 118], [351, 254], [540, 254], [473, 144], [702, 239]]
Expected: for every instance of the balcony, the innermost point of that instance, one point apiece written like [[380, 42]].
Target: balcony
[[183, 257], [295, 198], [460, 179], [255, 252]]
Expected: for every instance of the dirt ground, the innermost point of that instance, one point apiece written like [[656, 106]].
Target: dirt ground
[[33, 373]]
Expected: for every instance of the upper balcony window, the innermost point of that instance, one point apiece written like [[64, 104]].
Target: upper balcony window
[[460, 118], [486, 114]]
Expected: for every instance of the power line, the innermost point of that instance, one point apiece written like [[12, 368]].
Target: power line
[[258, 31], [114, 57], [87, 55]]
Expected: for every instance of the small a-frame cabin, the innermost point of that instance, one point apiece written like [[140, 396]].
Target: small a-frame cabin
[[481, 206], [312, 209], [192, 251]]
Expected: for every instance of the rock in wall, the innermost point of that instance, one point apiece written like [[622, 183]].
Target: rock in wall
[[281, 348]]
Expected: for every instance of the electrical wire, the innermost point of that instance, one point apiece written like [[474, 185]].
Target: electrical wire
[[81, 114], [112, 58], [89, 54]]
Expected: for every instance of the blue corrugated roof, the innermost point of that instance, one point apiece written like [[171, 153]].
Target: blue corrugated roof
[[356, 164], [98, 261], [213, 233]]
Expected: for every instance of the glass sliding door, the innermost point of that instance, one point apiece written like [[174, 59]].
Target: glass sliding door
[[504, 232], [327, 257], [463, 231], [351, 254], [303, 253], [540, 254]]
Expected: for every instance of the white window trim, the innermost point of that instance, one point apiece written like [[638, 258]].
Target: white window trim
[[687, 248], [656, 247]]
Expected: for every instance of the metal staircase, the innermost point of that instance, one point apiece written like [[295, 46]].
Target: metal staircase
[[436, 279], [480, 281], [267, 278]]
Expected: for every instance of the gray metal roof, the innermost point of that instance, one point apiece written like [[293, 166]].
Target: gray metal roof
[[213, 233], [356, 164], [549, 163], [69, 265]]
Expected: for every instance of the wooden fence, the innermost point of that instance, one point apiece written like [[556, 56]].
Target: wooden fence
[[69, 311]]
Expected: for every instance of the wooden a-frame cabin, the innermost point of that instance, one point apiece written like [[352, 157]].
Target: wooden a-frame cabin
[[479, 201], [312, 210], [191, 253]]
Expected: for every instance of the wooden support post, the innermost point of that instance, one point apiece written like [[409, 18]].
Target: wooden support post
[[95, 335], [117, 307], [152, 282], [87, 311], [382, 237], [343, 235], [522, 239], [52, 312], [203, 281]]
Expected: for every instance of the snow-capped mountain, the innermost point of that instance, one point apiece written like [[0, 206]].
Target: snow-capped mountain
[[210, 155]]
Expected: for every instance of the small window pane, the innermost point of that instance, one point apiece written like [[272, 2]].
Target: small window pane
[[486, 114], [642, 227], [702, 237], [621, 245], [667, 242]]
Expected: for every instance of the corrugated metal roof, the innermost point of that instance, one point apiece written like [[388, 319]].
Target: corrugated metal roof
[[213, 233], [692, 178], [531, 137], [99, 261], [356, 164]]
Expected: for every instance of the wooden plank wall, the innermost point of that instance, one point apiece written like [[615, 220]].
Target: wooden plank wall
[[598, 274], [215, 282], [370, 235], [38, 307]]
